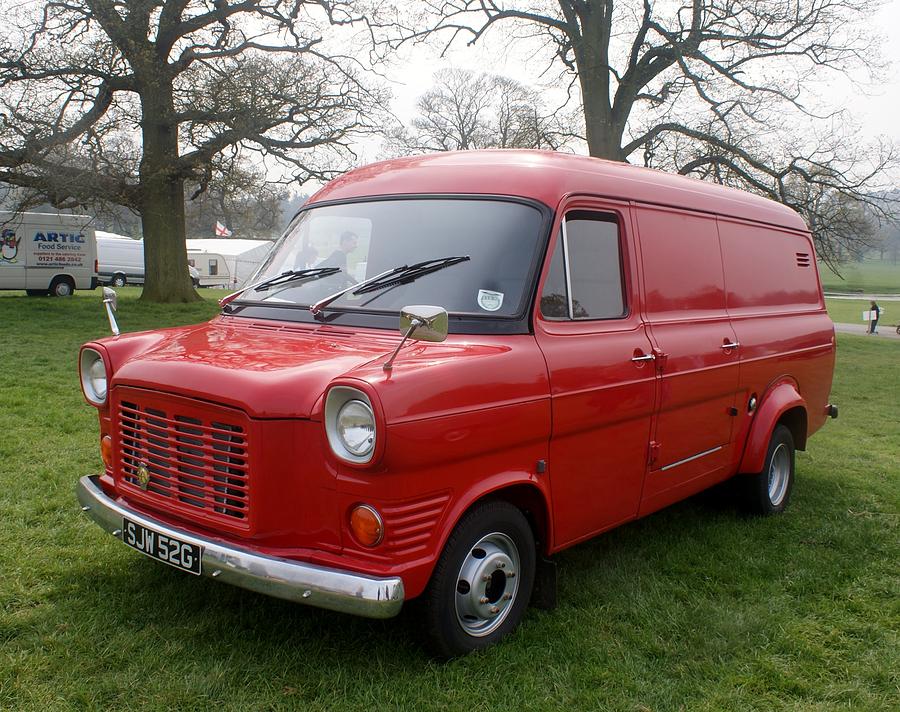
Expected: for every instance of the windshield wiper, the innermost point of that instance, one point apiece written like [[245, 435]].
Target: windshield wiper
[[390, 278], [290, 275]]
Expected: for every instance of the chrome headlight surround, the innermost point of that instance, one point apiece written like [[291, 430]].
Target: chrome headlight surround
[[94, 377], [348, 411]]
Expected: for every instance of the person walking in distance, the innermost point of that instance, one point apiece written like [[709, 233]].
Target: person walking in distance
[[875, 311]]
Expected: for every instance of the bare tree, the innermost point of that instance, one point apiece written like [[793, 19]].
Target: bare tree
[[703, 87], [133, 102], [465, 110], [242, 199]]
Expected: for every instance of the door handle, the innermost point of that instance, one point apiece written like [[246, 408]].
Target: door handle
[[645, 357], [731, 345]]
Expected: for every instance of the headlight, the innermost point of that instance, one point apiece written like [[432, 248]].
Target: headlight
[[356, 427], [350, 424], [93, 377]]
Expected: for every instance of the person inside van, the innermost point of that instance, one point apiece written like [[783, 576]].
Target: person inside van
[[338, 258]]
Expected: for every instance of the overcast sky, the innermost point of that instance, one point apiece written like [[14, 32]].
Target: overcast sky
[[875, 107]]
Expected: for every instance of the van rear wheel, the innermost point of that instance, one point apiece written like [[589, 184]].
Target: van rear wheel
[[769, 490], [482, 583], [118, 280]]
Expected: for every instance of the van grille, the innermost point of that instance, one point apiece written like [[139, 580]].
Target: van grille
[[803, 259], [195, 465]]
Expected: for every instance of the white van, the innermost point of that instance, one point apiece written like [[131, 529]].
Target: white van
[[121, 260], [47, 253]]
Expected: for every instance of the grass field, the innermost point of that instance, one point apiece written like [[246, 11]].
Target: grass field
[[694, 608], [869, 277]]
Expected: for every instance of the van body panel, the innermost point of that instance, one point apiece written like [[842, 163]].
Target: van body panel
[[684, 305]]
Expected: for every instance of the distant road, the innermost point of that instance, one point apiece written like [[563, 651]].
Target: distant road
[[887, 332], [866, 297]]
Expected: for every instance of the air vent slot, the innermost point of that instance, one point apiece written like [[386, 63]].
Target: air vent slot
[[803, 259]]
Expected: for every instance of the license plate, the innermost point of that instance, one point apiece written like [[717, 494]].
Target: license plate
[[162, 547]]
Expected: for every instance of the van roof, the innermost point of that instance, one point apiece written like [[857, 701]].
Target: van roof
[[547, 177]]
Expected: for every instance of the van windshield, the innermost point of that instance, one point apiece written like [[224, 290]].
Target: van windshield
[[500, 240]]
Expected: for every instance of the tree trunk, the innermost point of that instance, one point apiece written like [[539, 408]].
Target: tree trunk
[[162, 204], [604, 136]]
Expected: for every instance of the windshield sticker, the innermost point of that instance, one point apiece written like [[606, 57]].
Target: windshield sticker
[[490, 301]]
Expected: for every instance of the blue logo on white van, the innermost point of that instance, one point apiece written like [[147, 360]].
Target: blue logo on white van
[[59, 237]]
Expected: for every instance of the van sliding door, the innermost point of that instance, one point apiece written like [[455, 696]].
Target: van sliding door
[[697, 353]]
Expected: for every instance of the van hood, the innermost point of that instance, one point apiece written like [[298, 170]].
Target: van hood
[[272, 369], [267, 369]]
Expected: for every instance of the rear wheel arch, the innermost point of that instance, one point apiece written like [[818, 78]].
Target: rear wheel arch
[[781, 403], [795, 420], [62, 286]]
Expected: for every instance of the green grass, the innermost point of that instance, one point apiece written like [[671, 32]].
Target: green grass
[[694, 608], [871, 277], [849, 311]]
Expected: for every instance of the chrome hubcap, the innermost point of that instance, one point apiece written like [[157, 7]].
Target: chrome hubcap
[[779, 473], [487, 584]]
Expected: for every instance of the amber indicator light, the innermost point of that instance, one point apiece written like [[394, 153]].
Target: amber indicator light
[[366, 525], [106, 450]]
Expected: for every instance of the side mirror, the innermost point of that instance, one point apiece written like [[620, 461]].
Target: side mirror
[[110, 297], [422, 323], [111, 302]]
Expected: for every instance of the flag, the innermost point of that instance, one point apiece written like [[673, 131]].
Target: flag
[[221, 230]]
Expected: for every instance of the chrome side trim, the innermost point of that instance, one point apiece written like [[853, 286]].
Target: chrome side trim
[[692, 457], [296, 581]]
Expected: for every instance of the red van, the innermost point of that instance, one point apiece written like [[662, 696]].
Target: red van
[[581, 344]]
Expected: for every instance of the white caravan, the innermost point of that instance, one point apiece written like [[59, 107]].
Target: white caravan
[[47, 253], [226, 262]]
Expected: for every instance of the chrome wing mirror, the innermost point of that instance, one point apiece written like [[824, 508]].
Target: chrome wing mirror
[[421, 323], [111, 302]]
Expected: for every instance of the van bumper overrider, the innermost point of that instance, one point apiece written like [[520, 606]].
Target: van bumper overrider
[[312, 585]]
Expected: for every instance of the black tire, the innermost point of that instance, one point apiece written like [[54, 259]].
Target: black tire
[[36, 292], [118, 280], [769, 491], [494, 546], [62, 287]]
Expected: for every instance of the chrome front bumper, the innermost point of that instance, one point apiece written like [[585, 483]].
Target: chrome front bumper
[[283, 578]]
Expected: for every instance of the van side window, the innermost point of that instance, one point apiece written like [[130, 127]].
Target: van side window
[[213, 268], [587, 260]]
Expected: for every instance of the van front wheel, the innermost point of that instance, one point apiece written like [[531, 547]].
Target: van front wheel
[[482, 583], [62, 287], [768, 491]]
